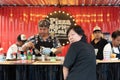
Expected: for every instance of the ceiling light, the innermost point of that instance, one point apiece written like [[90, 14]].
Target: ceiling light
[[55, 4], [59, 11], [96, 4], [83, 4], [28, 4], [63, 12], [55, 12], [109, 4], [14, 4]]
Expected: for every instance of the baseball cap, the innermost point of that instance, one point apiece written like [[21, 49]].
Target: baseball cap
[[44, 23], [96, 28], [21, 37]]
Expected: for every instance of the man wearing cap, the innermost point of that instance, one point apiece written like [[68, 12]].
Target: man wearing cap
[[98, 42], [13, 49], [43, 39], [50, 46]]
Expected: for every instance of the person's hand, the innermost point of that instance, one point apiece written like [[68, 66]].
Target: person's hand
[[53, 50], [37, 51], [28, 45], [1, 49], [46, 51]]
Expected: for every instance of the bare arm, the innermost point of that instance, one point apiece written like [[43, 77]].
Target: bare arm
[[58, 50], [65, 72], [28, 45]]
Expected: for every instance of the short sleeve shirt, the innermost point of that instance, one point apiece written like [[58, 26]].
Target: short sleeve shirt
[[36, 39], [81, 62], [12, 49]]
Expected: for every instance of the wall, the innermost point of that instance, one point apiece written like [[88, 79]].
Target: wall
[[15, 20]]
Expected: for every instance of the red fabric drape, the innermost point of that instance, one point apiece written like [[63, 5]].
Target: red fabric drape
[[16, 20]]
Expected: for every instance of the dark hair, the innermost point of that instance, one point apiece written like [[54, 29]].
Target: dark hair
[[115, 34], [79, 31], [19, 37], [44, 23]]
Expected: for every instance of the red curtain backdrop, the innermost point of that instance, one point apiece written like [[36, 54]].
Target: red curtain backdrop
[[16, 20]]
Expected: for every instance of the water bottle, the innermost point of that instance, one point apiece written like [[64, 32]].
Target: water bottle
[[43, 57], [29, 56], [33, 55], [22, 58], [106, 55], [18, 55]]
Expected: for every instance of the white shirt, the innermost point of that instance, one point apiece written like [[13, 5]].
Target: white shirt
[[109, 48], [12, 49]]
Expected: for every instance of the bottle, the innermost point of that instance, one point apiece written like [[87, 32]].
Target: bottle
[[18, 55], [43, 57], [14, 55], [41, 52], [33, 55], [25, 55], [29, 56], [22, 58]]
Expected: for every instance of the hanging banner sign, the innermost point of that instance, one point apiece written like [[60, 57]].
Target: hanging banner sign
[[60, 21]]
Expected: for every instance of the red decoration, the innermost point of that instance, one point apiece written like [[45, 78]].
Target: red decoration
[[16, 20]]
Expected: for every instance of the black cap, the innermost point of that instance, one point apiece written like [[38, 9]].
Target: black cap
[[44, 23], [21, 37]]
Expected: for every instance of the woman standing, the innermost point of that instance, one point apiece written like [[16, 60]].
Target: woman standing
[[80, 61]]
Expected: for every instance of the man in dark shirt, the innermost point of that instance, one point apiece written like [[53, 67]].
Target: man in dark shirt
[[98, 42], [51, 46], [44, 39]]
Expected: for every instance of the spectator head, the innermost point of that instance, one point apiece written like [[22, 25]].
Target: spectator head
[[116, 38], [97, 33], [96, 29], [43, 27], [21, 39], [76, 33], [44, 23]]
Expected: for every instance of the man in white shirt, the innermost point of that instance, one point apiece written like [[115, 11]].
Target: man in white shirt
[[114, 47], [13, 49]]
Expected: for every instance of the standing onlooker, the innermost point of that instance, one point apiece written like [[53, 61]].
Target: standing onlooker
[[98, 42], [80, 59]]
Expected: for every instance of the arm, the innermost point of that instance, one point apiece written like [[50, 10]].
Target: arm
[[107, 50], [69, 61], [65, 72], [57, 50], [1, 49], [27, 45], [12, 49], [47, 50]]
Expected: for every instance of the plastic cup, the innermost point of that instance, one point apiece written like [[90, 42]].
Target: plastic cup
[[106, 55], [96, 51]]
